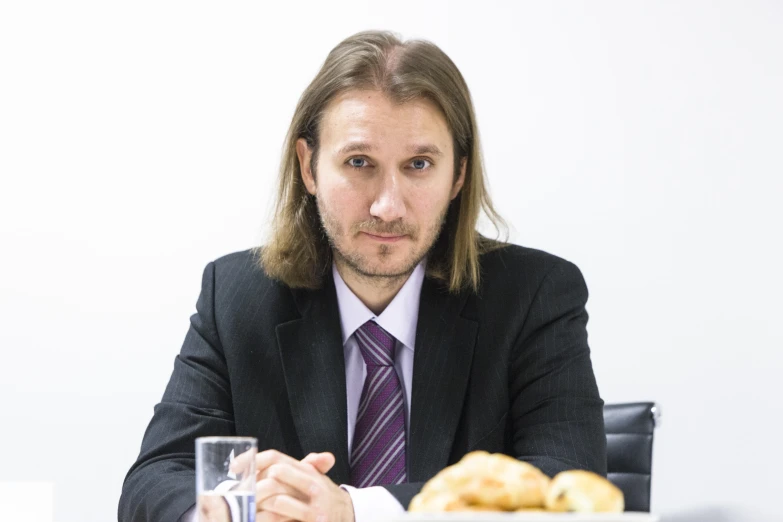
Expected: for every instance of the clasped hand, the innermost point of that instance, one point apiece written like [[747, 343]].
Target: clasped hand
[[288, 489]]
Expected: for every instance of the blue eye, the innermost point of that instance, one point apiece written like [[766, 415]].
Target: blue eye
[[419, 164], [356, 162]]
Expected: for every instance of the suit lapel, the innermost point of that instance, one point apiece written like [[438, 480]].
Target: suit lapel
[[441, 368], [311, 350]]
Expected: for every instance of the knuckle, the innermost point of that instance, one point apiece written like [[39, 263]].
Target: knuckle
[[270, 454], [264, 486]]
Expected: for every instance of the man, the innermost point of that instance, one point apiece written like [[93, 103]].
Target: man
[[377, 337]]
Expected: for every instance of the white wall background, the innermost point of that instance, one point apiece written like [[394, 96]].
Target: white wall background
[[138, 141]]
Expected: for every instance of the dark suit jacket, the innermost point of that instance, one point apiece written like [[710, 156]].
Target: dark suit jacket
[[505, 370]]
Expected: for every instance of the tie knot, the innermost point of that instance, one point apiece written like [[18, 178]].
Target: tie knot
[[376, 344]]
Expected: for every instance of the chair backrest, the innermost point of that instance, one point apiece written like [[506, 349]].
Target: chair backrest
[[629, 442]]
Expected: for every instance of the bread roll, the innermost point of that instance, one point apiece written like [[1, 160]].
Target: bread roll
[[483, 481], [436, 502], [583, 492]]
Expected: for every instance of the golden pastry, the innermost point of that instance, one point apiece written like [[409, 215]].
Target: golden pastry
[[478, 507], [491, 481], [584, 492], [436, 502]]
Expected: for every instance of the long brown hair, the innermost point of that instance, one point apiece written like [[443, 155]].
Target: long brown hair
[[298, 252]]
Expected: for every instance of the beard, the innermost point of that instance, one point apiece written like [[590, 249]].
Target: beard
[[372, 267]]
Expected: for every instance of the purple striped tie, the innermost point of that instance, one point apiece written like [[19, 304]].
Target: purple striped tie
[[378, 451]]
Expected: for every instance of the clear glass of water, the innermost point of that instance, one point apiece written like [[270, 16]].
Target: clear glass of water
[[226, 479]]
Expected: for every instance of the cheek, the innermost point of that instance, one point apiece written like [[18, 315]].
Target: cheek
[[428, 203], [343, 201]]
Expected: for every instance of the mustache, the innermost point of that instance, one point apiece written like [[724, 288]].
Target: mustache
[[392, 228]]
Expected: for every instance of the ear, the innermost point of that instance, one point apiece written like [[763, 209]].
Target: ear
[[305, 154], [463, 166]]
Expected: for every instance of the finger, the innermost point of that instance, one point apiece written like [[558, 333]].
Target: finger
[[269, 487], [289, 507], [241, 462], [304, 483], [268, 458], [268, 516], [322, 462]]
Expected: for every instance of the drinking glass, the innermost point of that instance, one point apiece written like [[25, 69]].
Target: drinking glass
[[226, 479]]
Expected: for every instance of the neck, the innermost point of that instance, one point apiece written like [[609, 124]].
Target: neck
[[375, 292]]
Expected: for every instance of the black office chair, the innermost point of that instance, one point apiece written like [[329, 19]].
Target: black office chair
[[629, 441]]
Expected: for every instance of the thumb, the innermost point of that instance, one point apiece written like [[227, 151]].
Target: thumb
[[322, 462]]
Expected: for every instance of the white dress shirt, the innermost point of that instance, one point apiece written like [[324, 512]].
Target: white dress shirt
[[399, 319]]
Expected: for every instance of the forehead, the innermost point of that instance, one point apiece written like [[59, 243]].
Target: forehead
[[372, 116]]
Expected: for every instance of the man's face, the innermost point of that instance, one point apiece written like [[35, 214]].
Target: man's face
[[383, 182]]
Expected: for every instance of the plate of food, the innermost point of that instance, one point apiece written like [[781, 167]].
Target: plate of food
[[521, 516], [488, 487]]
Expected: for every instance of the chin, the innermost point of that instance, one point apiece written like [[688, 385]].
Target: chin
[[383, 270], [386, 267], [379, 264]]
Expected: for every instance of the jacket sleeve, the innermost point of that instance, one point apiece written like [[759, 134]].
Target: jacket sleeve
[[160, 486], [556, 411]]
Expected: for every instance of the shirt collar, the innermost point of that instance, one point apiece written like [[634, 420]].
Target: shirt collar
[[400, 316]]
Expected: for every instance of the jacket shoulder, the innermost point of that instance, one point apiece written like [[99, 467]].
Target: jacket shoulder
[[242, 288], [241, 260], [515, 259], [242, 266], [239, 269], [515, 268]]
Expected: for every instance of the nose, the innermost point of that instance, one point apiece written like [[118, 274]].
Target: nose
[[389, 204]]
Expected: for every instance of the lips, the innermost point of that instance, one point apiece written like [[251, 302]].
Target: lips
[[384, 238]]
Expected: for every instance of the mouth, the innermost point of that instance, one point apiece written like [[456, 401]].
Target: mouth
[[383, 238]]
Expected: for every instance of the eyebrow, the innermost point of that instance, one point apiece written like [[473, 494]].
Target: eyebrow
[[360, 146]]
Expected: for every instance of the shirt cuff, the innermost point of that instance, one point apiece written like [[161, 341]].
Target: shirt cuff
[[373, 504]]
